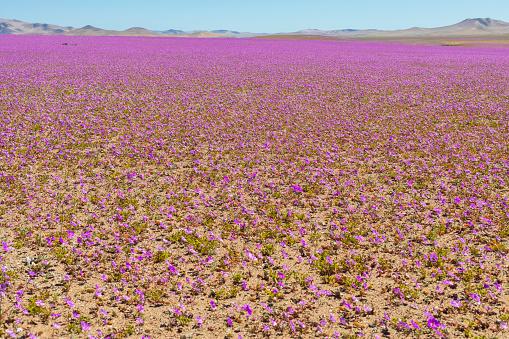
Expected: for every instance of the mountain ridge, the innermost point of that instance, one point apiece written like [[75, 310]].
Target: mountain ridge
[[471, 27]]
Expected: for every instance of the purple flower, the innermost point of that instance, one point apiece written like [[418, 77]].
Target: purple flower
[[433, 323], [475, 297], [433, 257], [6, 247], [85, 326], [248, 309], [251, 256], [456, 303], [173, 270], [69, 302], [403, 325], [297, 189], [414, 324]]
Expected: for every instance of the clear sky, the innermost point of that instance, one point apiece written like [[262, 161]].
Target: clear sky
[[252, 15]]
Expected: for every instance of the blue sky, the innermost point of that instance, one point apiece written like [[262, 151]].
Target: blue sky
[[253, 15]]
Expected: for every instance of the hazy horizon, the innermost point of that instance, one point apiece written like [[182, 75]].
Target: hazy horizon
[[260, 16]]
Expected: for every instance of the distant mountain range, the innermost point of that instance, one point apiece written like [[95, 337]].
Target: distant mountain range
[[478, 27], [20, 27]]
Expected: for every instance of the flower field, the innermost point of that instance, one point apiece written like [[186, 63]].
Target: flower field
[[160, 187]]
